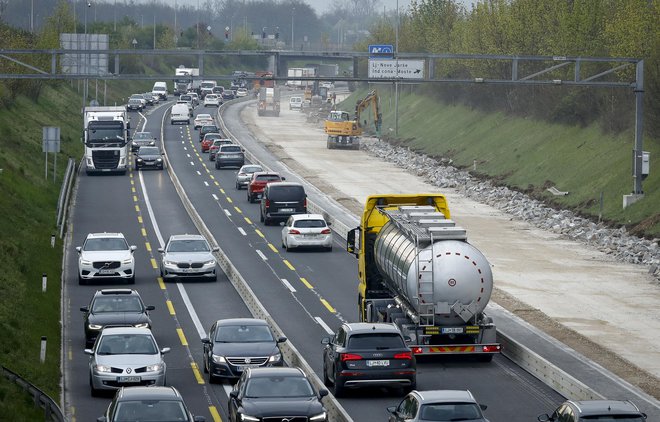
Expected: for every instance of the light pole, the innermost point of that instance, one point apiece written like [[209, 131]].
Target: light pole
[[176, 36], [114, 9], [396, 83], [293, 12]]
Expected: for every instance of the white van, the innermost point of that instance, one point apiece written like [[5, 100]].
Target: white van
[[295, 103], [160, 89], [180, 114]]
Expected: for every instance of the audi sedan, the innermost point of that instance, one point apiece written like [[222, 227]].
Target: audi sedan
[[125, 356], [188, 256], [106, 256], [276, 394], [202, 119], [239, 343]]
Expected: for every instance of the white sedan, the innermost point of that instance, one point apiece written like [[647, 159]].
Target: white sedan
[[203, 120], [306, 230], [241, 92], [211, 100]]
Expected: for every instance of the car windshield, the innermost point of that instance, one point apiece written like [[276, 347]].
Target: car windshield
[[243, 334], [150, 411], [143, 135], [188, 245], [117, 304], [450, 412], [149, 151], [230, 148], [185, 98], [211, 97], [209, 128], [309, 223], [251, 169], [379, 341], [204, 116], [134, 101], [211, 136], [127, 344], [287, 193], [278, 387], [105, 244]]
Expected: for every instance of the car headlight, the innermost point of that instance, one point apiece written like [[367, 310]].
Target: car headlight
[[85, 262], [319, 417], [155, 367], [94, 326], [210, 262], [275, 358], [248, 418], [139, 159], [142, 325], [169, 263], [218, 359], [128, 261], [159, 160], [102, 368]]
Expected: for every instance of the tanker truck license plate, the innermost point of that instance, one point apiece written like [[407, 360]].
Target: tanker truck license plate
[[452, 330]]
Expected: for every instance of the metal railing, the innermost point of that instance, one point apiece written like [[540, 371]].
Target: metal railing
[[52, 411], [65, 193]]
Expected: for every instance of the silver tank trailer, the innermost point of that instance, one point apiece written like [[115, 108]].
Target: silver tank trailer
[[427, 261]]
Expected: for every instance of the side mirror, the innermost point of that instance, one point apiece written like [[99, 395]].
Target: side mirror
[[89, 352], [328, 223], [322, 393], [84, 309], [325, 340], [233, 394], [216, 249], [281, 339], [79, 249], [165, 350], [544, 418], [206, 340], [150, 308], [283, 178], [483, 407], [101, 419], [133, 248], [199, 419], [391, 409], [161, 250], [407, 339]]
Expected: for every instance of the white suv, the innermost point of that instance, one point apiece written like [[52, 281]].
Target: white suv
[[106, 255]]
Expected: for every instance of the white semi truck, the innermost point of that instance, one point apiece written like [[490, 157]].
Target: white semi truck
[[184, 80], [106, 139]]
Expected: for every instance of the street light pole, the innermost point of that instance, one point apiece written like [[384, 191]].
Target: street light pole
[[396, 83], [293, 12]]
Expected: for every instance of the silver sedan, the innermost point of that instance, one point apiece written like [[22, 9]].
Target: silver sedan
[[245, 174], [188, 256]]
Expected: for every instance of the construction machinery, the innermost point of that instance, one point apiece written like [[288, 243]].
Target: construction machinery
[[269, 102], [370, 100], [344, 132], [417, 270]]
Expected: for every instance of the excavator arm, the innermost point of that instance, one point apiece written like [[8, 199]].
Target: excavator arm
[[370, 100]]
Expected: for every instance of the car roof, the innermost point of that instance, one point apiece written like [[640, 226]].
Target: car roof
[[104, 234], [241, 321], [438, 396], [109, 292], [369, 327], [598, 407], [187, 237], [266, 173], [148, 393], [276, 371], [126, 330], [297, 217]]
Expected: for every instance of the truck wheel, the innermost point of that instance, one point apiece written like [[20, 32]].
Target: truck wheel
[[485, 358]]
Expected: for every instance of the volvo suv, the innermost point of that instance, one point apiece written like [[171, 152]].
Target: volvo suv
[[106, 256]]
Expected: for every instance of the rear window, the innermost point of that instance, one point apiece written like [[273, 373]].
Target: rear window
[[379, 341], [309, 223], [268, 177], [286, 193], [230, 148]]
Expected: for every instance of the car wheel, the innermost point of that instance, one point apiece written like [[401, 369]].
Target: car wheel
[[238, 187], [338, 388], [216, 165], [261, 216], [131, 280], [81, 280], [328, 249], [95, 392], [326, 380]]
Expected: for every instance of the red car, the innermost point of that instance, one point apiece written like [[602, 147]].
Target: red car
[[259, 181], [208, 139]]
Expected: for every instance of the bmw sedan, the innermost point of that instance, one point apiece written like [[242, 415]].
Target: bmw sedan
[[106, 256], [125, 356], [149, 157], [275, 394], [187, 256], [238, 343]]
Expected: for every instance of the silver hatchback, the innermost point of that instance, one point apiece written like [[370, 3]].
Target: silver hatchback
[[187, 256]]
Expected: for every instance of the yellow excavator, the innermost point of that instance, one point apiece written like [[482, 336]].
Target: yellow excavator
[[344, 132]]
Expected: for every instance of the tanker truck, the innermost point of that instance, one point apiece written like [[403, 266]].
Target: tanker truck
[[417, 270]]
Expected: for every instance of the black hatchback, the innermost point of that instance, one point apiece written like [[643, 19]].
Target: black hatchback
[[368, 354], [281, 200]]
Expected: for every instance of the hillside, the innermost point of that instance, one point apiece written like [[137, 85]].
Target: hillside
[[529, 155]]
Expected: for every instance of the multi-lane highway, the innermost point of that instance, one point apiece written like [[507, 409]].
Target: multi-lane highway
[[307, 293]]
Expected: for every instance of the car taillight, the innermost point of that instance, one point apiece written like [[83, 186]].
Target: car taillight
[[491, 349], [268, 202], [325, 231], [417, 350], [404, 355], [293, 231], [305, 203], [349, 356]]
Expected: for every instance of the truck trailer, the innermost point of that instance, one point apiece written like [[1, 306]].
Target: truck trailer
[[269, 102], [106, 139], [417, 270]]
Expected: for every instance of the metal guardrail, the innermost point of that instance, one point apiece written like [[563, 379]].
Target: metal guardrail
[[65, 193], [52, 411]]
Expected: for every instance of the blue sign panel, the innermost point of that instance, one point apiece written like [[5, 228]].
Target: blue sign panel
[[381, 50]]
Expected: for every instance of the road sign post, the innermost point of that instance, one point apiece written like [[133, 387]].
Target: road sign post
[[50, 143]]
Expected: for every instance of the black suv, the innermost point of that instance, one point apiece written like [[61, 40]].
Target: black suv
[[238, 343], [594, 410], [281, 200], [207, 129], [114, 307], [275, 394], [368, 354]]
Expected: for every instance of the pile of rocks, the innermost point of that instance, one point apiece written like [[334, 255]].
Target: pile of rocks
[[614, 241]]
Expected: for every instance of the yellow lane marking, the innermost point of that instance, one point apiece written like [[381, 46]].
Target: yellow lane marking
[[137, 208], [288, 264], [247, 220], [214, 414], [133, 189], [306, 283], [238, 210], [132, 181], [161, 283], [170, 307], [272, 247], [229, 200], [148, 246], [70, 354], [327, 305], [216, 183], [144, 231], [140, 219], [182, 337], [154, 264], [259, 232], [222, 191], [130, 175], [212, 177], [135, 198], [207, 169], [198, 375]]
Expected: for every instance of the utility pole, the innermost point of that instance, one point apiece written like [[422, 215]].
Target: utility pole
[[293, 12], [396, 83]]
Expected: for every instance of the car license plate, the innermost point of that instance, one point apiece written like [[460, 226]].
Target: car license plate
[[378, 363], [286, 209], [129, 379], [234, 156], [452, 330], [106, 271]]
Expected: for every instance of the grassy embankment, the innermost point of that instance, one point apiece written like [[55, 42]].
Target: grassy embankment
[[28, 206], [530, 155]]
